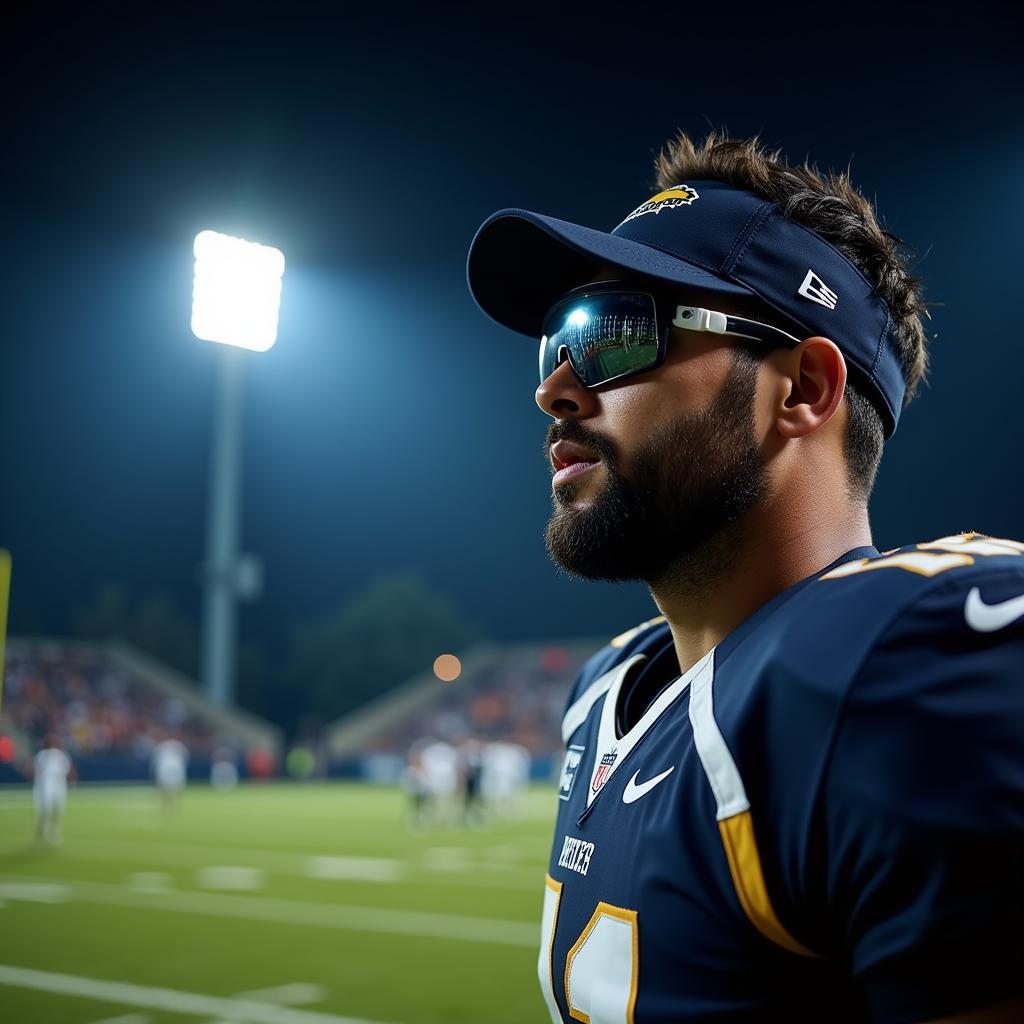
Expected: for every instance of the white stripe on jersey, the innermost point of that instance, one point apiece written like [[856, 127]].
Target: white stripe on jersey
[[720, 768], [577, 713]]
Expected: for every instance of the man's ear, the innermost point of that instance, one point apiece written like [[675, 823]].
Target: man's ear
[[816, 372]]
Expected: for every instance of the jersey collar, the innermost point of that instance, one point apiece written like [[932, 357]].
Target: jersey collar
[[740, 633]]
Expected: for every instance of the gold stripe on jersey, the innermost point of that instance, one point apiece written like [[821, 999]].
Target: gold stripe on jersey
[[745, 867]]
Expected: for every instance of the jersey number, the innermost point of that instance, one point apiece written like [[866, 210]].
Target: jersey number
[[931, 559], [601, 968]]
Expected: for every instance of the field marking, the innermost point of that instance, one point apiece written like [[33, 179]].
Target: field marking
[[149, 881], [125, 1018], [366, 869], [326, 915], [295, 994], [238, 879], [327, 867], [362, 869], [193, 1004], [34, 892]]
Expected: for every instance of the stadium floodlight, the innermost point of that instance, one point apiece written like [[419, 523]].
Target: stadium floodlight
[[236, 299], [236, 295]]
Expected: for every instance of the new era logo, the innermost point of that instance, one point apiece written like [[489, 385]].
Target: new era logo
[[817, 291]]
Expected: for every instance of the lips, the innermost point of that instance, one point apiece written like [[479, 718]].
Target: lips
[[570, 460]]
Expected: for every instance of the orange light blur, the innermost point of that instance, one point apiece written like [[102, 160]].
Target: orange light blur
[[447, 668]]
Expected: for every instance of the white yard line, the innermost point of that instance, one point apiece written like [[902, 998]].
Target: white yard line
[[24, 891], [237, 879], [195, 1004], [368, 869], [325, 915], [149, 881], [295, 994], [125, 1018], [327, 867]]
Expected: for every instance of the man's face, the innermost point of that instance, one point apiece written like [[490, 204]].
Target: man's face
[[652, 470]]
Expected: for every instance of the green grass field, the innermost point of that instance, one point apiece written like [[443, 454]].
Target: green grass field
[[271, 904]]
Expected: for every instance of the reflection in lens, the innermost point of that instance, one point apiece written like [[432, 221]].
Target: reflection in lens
[[614, 335]]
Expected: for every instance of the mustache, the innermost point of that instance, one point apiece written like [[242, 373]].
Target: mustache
[[575, 432]]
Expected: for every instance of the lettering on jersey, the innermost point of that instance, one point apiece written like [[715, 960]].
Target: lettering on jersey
[[576, 855], [603, 770], [570, 766]]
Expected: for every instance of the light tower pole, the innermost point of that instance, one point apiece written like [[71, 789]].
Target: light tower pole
[[220, 591], [235, 302]]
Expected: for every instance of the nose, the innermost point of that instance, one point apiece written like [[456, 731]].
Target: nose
[[562, 396]]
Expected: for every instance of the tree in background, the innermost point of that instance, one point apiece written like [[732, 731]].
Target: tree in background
[[383, 635], [153, 623]]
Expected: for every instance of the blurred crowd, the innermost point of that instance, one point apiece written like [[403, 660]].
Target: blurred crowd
[[92, 707], [515, 697], [482, 734]]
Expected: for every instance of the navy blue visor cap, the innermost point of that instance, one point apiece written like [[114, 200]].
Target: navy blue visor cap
[[702, 235]]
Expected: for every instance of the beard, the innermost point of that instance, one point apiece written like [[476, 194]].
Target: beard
[[672, 511]]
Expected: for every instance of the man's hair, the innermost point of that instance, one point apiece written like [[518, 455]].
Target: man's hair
[[829, 204]]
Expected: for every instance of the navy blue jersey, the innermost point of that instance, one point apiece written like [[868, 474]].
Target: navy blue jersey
[[822, 820]]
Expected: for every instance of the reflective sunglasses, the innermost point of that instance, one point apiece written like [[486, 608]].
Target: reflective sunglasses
[[608, 332]]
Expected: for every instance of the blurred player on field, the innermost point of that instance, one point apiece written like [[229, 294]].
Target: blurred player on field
[[471, 757], [414, 784], [51, 770], [440, 767], [170, 758], [224, 769], [504, 778]]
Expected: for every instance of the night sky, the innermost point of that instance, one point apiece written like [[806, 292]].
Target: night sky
[[393, 425]]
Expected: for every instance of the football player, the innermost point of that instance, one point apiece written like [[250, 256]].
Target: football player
[[170, 769], [798, 794], [51, 771]]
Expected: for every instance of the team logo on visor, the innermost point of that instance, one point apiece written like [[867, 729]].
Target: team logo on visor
[[677, 195]]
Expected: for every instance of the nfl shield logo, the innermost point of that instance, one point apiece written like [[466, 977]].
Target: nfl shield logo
[[603, 770]]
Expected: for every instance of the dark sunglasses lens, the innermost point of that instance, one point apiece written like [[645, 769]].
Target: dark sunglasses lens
[[606, 336]]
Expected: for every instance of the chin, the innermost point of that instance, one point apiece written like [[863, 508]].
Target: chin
[[578, 493]]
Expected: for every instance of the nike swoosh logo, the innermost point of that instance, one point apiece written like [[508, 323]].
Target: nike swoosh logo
[[635, 790], [988, 618]]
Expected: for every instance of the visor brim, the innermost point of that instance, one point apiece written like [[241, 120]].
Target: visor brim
[[520, 263]]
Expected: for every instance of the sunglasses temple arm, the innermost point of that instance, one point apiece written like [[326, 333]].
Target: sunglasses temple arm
[[694, 318]]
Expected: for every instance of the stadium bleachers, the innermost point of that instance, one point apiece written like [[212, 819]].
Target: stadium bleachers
[[109, 706], [508, 694]]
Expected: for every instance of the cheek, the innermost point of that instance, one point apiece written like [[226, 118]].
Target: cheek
[[631, 414], [764, 404], [700, 368], [687, 382]]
